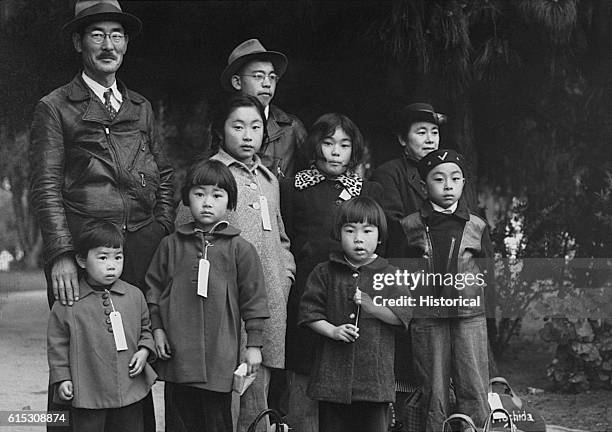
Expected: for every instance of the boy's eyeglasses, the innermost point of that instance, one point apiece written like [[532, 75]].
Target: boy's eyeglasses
[[98, 37], [260, 76]]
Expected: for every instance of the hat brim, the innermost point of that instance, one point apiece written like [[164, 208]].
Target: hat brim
[[406, 118], [279, 60], [132, 24]]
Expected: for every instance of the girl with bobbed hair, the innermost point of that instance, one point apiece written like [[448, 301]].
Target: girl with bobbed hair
[[309, 203]]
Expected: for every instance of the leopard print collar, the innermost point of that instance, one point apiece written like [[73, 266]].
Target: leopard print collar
[[351, 181]]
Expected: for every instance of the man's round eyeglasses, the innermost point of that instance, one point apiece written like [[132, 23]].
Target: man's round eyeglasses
[[98, 37], [260, 76]]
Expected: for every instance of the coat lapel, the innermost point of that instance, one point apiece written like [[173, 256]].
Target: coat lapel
[[414, 179], [274, 129]]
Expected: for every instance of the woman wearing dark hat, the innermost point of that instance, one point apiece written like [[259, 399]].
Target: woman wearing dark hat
[[417, 128]]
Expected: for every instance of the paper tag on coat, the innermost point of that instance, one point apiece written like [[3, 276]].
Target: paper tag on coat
[[345, 195], [203, 269], [118, 332], [265, 213]]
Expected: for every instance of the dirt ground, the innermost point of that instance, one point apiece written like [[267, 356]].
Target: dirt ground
[[524, 365], [24, 371]]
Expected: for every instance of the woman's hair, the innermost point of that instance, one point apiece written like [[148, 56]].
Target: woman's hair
[[96, 233], [214, 173], [360, 210], [326, 126], [236, 101]]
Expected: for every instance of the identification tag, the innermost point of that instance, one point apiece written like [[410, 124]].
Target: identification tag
[[345, 195], [203, 270], [118, 332], [265, 213]]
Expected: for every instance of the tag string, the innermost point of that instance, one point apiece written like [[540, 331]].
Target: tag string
[[205, 243], [259, 189], [111, 300], [202, 234]]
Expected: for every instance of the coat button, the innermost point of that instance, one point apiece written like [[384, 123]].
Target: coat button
[[253, 186], [107, 311], [105, 295], [105, 302], [352, 316], [199, 254], [355, 275], [338, 186], [107, 320], [338, 202], [110, 329], [256, 205]]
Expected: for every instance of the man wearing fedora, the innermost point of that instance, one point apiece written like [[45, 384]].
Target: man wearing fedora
[[95, 154], [255, 71]]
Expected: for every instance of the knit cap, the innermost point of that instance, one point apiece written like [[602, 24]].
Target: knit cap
[[438, 157]]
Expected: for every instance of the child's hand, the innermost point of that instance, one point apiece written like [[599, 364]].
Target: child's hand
[[138, 362], [65, 390], [162, 346], [346, 333], [253, 359]]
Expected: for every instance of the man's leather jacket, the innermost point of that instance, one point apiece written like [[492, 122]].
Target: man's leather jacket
[[86, 166], [283, 151]]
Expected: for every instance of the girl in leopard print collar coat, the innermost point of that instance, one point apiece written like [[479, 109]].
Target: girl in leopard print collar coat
[[309, 202]]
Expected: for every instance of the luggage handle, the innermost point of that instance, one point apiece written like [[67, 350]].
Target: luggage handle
[[275, 419], [465, 418], [488, 422], [501, 380]]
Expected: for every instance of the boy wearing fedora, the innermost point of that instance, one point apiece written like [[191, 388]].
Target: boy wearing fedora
[[95, 154], [255, 71]]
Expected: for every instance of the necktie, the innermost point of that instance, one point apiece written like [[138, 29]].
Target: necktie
[[109, 106]]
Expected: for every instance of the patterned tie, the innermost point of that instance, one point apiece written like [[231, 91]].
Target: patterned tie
[[109, 106]]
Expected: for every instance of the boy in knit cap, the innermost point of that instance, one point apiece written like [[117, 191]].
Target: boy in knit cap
[[449, 330]]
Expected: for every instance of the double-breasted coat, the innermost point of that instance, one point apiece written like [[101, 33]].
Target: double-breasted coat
[[308, 214], [271, 245]]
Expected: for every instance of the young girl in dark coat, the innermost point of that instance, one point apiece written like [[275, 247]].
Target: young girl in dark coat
[[309, 203], [344, 301], [203, 281]]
